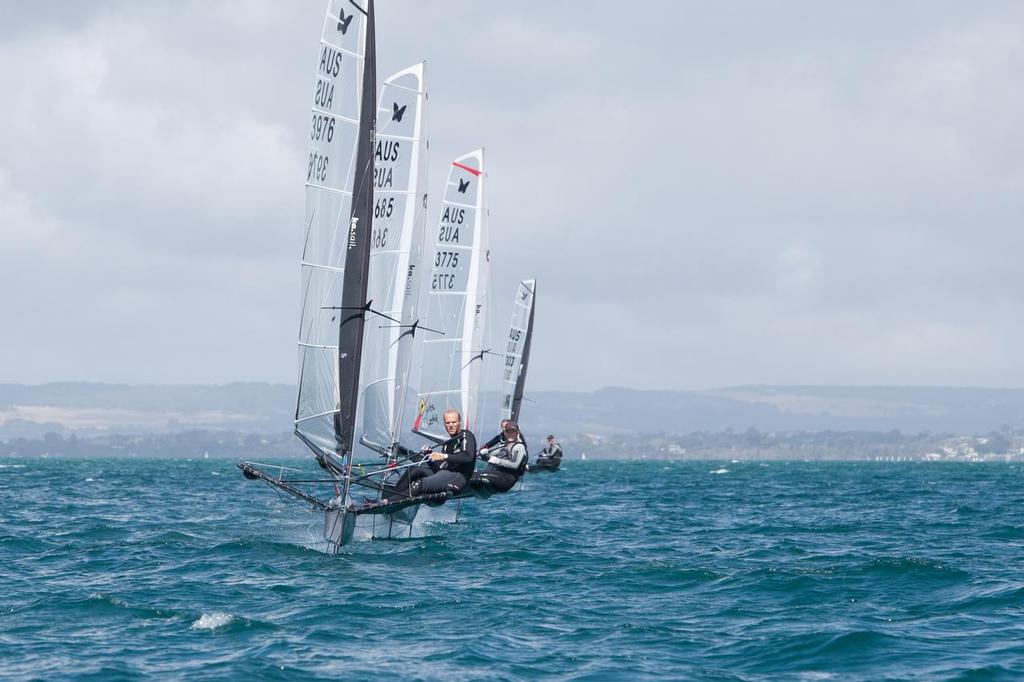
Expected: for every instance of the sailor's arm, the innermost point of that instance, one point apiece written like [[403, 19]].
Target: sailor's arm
[[492, 442], [516, 456]]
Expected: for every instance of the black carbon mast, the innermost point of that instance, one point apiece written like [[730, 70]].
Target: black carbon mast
[[357, 258]]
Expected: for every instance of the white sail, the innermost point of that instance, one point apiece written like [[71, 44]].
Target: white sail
[[456, 299], [517, 349], [396, 246], [331, 175]]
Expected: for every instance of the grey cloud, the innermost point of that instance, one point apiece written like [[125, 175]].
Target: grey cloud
[[709, 194]]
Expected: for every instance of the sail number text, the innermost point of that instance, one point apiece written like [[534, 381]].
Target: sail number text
[[444, 281], [446, 259], [451, 225], [323, 127], [383, 207], [513, 340], [317, 169]]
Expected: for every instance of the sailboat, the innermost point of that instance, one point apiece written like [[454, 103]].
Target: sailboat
[[517, 352], [456, 310], [337, 312], [456, 304], [393, 291], [517, 358]]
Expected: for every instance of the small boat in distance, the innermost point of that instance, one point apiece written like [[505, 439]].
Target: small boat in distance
[[550, 458]]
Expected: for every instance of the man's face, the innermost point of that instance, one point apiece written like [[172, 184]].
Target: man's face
[[451, 423]]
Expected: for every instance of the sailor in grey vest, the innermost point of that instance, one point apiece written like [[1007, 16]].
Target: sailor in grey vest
[[552, 451], [505, 463]]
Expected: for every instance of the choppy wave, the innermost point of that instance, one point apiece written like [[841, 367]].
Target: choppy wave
[[623, 570], [212, 621]]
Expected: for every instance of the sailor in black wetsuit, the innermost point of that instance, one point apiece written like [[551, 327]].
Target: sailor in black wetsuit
[[505, 464], [446, 468], [500, 438]]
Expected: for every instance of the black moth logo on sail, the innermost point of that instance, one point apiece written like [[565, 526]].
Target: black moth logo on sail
[[344, 21], [397, 113], [463, 186]]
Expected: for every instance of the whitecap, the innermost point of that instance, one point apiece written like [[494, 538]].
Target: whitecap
[[723, 470], [212, 621], [89, 480], [215, 473], [12, 466]]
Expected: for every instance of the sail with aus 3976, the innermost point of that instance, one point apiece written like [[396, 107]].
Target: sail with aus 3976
[[335, 258]]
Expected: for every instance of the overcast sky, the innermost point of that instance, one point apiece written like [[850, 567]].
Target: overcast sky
[[709, 194]]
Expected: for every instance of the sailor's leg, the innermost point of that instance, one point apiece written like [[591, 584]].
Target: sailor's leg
[[402, 486], [501, 482], [443, 481]]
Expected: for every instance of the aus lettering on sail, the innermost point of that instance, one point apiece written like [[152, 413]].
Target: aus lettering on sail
[[335, 112], [389, 198], [453, 252], [392, 168], [340, 61], [387, 162]]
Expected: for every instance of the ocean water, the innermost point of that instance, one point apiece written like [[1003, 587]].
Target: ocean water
[[125, 569]]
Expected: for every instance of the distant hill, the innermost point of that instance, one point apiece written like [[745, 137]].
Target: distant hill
[[91, 409], [781, 408]]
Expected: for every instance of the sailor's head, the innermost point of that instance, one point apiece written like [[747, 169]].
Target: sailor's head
[[452, 421], [504, 423], [510, 429], [551, 439]]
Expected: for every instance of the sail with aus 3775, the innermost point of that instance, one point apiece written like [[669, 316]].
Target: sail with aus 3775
[[456, 303], [451, 363]]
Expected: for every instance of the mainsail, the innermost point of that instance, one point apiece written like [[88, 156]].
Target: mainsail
[[456, 302], [399, 216], [339, 207], [517, 352], [365, 210]]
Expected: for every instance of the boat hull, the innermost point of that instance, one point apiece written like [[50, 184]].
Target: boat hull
[[339, 528], [543, 464]]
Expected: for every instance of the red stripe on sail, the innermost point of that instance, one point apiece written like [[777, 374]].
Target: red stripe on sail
[[474, 171]]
